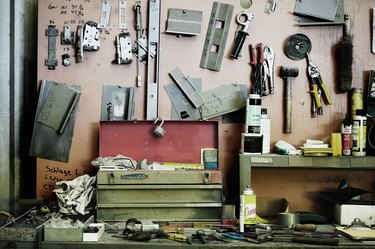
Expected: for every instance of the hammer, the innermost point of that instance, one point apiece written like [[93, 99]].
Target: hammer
[[288, 73]]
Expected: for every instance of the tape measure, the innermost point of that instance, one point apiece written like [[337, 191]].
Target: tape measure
[[297, 47]]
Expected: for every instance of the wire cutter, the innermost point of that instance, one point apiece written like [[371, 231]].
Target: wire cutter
[[318, 86]]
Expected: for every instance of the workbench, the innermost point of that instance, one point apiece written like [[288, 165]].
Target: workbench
[[109, 242]]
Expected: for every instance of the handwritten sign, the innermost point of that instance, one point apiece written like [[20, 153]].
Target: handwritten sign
[[54, 174]]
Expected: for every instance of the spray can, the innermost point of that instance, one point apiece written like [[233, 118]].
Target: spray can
[[346, 137], [359, 134], [253, 110], [247, 210], [265, 130], [357, 101]]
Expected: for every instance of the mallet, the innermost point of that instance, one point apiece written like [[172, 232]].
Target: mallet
[[288, 73]]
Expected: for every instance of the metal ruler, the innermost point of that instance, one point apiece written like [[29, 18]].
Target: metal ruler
[[153, 75], [216, 37]]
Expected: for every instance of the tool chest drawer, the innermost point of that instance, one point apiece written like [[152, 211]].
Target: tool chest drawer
[[160, 177], [185, 195]]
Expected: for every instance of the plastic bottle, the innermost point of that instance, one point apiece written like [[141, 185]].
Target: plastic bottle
[[265, 130], [253, 110], [247, 210], [359, 134]]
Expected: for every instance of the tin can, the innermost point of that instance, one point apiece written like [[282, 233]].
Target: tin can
[[247, 210], [357, 100], [359, 134]]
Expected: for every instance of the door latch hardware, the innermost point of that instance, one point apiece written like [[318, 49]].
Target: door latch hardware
[[52, 33]]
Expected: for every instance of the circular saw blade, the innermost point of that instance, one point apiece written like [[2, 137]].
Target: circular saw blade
[[297, 46]]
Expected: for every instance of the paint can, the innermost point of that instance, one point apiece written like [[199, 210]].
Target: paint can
[[247, 210], [288, 219], [253, 112], [357, 101]]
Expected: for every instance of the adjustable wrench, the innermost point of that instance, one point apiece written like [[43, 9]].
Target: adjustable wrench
[[243, 19]]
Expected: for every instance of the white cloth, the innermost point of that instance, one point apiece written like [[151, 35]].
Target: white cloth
[[75, 196]]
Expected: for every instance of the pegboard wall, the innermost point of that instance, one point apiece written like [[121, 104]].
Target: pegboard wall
[[272, 29]]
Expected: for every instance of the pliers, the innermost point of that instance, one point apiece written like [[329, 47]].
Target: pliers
[[318, 86], [268, 66], [259, 73]]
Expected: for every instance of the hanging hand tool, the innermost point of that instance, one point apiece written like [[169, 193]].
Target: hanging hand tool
[[268, 65], [258, 74], [317, 85], [138, 28], [288, 73], [244, 20]]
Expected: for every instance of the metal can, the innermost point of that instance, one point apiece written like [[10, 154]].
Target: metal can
[[359, 134], [357, 100], [247, 210], [346, 133]]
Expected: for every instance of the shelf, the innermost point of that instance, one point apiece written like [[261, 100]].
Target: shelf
[[247, 162], [286, 161]]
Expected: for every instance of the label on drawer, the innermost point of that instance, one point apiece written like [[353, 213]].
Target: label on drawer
[[268, 160], [138, 176]]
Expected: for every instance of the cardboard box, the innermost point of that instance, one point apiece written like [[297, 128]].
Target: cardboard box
[[344, 214], [65, 234], [94, 236]]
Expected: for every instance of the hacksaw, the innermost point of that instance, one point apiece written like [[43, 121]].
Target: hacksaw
[[216, 37]]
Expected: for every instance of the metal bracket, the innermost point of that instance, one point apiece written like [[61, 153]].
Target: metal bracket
[[307, 17], [187, 86], [270, 6], [79, 44], [216, 37], [153, 40], [143, 50], [184, 22], [121, 14], [66, 60], [67, 36], [123, 49], [117, 103], [222, 100], [105, 15], [91, 37], [51, 32]]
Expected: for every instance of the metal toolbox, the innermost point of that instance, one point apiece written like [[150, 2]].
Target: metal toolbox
[[184, 195]]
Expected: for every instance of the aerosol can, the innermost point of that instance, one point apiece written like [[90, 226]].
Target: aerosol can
[[247, 210]]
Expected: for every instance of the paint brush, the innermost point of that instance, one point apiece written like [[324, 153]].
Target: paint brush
[[344, 59]]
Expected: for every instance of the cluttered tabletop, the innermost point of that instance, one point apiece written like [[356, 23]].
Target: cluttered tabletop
[[324, 237]]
